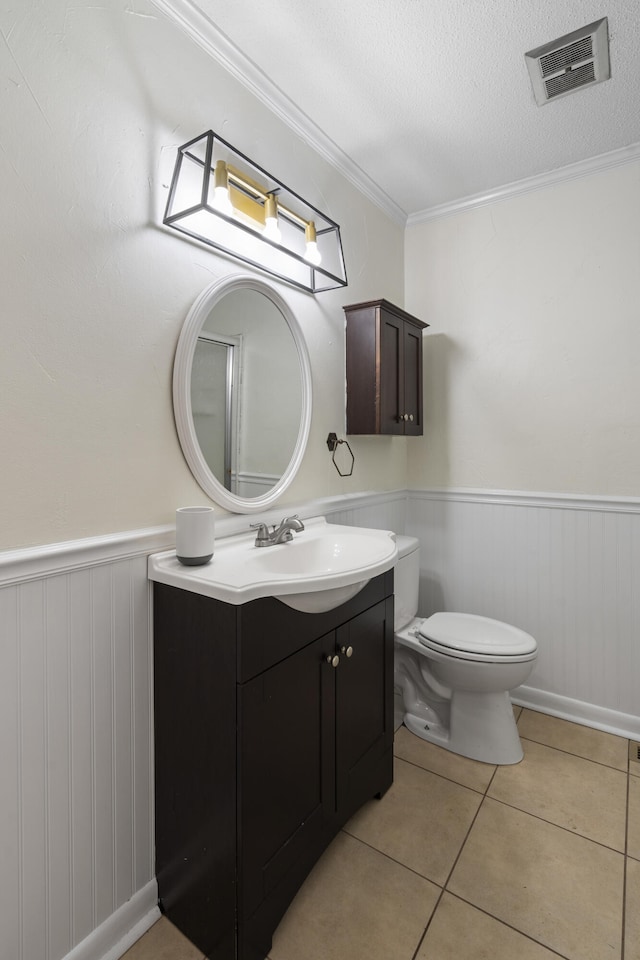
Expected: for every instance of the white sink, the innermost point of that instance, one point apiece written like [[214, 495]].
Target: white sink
[[323, 566]]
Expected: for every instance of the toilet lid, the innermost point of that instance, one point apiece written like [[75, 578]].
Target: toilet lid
[[468, 633]]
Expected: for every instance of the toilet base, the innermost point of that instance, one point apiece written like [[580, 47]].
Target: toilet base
[[480, 726]]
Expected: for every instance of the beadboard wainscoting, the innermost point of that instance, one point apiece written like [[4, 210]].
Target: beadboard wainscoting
[[565, 569], [76, 799]]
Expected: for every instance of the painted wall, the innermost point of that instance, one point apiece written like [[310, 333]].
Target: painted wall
[[531, 373], [95, 101]]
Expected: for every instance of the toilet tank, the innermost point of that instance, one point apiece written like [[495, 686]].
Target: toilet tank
[[406, 578]]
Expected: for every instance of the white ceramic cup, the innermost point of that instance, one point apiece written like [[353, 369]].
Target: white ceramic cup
[[195, 535]]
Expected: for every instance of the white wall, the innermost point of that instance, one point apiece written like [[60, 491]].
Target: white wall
[[95, 101], [531, 374]]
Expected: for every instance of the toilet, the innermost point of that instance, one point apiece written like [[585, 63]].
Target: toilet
[[454, 672]]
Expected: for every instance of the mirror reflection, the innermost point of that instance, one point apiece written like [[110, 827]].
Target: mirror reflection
[[246, 392]]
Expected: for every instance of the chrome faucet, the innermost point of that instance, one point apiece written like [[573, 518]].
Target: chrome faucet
[[281, 534]]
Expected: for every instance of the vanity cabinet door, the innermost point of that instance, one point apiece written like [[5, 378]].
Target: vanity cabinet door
[[391, 364], [412, 380], [286, 780], [364, 708]]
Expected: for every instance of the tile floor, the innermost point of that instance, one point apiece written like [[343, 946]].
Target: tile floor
[[465, 861]]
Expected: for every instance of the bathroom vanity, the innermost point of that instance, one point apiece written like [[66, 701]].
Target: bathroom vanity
[[272, 727]]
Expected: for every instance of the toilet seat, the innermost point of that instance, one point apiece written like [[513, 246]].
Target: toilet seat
[[471, 637]]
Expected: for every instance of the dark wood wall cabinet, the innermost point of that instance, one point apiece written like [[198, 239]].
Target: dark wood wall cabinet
[[384, 369], [272, 727]]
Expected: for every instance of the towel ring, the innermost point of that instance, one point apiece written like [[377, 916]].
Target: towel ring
[[333, 443]]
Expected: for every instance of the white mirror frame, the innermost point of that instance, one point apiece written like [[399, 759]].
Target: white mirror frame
[[183, 363]]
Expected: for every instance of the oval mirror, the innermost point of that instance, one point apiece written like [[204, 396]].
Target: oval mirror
[[242, 393]]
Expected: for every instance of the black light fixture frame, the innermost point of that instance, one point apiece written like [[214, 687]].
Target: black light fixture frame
[[318, 275]]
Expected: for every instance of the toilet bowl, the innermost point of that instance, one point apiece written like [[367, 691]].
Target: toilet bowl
[[454, 672]]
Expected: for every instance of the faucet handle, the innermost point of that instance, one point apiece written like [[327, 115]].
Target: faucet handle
[[262, 537]]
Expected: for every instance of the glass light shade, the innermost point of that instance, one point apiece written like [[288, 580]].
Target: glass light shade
[[271, 229], [312, 254], [221, 198]]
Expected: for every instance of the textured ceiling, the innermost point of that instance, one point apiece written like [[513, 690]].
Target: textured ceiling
[[431, 99]]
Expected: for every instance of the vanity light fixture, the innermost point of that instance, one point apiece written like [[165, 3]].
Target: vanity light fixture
[[223, 199]]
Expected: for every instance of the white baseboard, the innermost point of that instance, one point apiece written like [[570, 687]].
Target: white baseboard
[[588, 714], [113, 938]]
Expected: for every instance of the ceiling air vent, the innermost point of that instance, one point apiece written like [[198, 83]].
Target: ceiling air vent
[[576, 60]]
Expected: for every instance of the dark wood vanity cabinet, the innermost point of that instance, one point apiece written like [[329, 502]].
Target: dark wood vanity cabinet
[[384, 369], [265, 745]]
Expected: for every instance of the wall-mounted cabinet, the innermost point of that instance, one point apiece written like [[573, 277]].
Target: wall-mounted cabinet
[[271, 728], [384, 369]]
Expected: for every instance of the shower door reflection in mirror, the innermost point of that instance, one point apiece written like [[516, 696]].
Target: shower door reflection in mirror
[[214, 402], [246, 393]]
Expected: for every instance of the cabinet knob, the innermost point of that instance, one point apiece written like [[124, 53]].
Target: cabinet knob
[[405, 416], [348, 651], [333, 660], [411, 416]]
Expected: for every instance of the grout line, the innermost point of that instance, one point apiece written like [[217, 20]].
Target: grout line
[[424, 932], [453, 866], [528, 813], [463, 844], [551, 823], [626, 865], [448, 779], [388, 856], [493, 776], [510, 926], [568, 753]]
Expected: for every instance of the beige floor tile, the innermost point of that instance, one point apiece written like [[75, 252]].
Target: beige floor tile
[[459, 931], [470, 773], [574, 738], [355, 903], [421, 821], [587, 798], [632, 913], [558, 888], [633, 839], [163, 941]]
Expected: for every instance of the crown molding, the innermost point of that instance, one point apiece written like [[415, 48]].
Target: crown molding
[[573, 171], [215, 43]]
